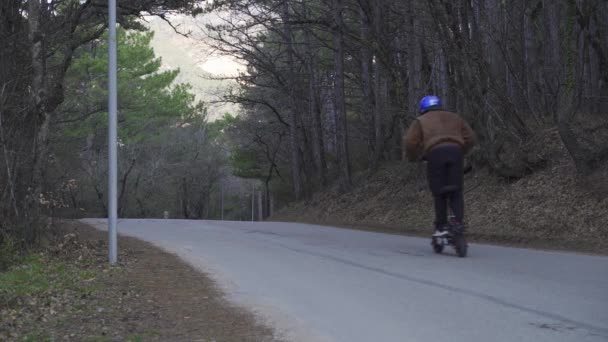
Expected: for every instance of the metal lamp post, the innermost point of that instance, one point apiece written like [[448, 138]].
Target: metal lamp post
[[112, 134]]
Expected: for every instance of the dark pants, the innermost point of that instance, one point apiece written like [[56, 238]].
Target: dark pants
[[445, 175]]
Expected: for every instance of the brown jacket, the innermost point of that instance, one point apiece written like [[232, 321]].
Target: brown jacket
[[435, 128]]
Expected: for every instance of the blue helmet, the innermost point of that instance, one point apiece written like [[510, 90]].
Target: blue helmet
[[429, 102]]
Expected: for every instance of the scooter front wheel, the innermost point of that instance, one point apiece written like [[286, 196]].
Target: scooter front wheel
[[437, 246]]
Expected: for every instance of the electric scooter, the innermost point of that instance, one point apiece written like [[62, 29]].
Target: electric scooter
[[455, 236]]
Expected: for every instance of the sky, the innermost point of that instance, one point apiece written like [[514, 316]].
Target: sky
[[196, 60]]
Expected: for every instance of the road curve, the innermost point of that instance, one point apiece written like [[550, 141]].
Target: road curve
[[317, 283]]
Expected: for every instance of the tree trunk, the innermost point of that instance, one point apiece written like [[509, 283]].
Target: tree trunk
[[252, 203], [140, 203], [342, 156], [569, 99], [293, 115], [532, 65], [552, 54], [565, 116], [7, 161], [40, 116], [367, 108], [260, 206], [123, 189], [222, 202], [271, 205], [568, 137], [494, 42], [414, 64], [102, 202], [380, 79], [512, 48], [314, 107], [267, 211], [185, 201], [440, 79]]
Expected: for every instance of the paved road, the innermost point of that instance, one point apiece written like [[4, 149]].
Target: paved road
[[328, 284]]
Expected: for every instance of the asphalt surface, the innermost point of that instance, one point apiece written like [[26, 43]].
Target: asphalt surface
[[316, 283]]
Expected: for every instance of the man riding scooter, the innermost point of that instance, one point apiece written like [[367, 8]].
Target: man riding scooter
[[441, 138]]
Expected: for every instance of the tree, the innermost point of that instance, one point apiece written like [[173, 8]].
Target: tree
[[168, 154], [39, 41]]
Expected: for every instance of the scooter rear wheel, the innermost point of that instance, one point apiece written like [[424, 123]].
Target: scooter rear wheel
[[460, 245]]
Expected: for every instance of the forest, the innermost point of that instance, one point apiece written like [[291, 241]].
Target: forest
[[331, 86]]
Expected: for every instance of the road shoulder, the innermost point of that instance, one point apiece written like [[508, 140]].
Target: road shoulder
[[151, 295]]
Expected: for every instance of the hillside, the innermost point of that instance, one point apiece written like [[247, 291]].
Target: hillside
[[551, 208]]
